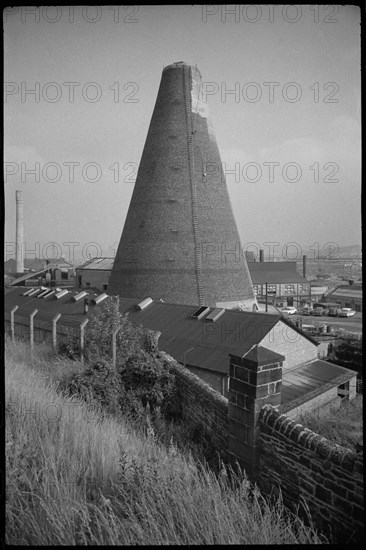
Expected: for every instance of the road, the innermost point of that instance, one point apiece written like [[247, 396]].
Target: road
[[351, 324]]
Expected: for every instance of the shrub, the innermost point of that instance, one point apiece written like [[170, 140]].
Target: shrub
[[70, 347], [150, 380], [99, 384]]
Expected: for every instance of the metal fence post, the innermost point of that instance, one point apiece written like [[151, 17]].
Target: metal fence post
[[54, 330], [12, 326], [31, 330], [82, 328]]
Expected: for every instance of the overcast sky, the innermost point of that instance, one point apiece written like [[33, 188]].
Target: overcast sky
[[289, 134]]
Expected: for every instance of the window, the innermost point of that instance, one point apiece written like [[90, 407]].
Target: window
[[289, 289], [105, 287], [343, 390], [255, 288]]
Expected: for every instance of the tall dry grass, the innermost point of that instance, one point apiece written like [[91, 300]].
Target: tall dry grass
[[75, 477], [343, 425]]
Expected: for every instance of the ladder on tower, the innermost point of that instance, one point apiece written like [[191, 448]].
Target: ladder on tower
[[198, 257]]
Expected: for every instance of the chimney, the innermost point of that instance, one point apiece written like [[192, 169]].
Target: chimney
[[261, 255], [304, 265], [19, 235]]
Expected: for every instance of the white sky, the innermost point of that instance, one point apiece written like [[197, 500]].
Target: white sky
[[126, 51]]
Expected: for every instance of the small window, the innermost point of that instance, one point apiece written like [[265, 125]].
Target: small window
[[199, 313], [105, 287], [87, 285]]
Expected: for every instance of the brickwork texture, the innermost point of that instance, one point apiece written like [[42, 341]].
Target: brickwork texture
[[180, 242]]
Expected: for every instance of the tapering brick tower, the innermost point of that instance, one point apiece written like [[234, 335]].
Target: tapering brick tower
[[180, 242]]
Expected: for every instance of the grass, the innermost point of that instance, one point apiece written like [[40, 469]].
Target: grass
[[343, 426], [77, 477]]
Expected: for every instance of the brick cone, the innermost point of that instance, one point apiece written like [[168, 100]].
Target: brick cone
[[180, 242]]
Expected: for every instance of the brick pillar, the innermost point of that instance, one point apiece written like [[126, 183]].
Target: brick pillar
[[255, 380]]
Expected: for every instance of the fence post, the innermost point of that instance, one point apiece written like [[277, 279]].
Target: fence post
[[82, 328], [12, 327], [31, 331], [54, 330], [114, 346]]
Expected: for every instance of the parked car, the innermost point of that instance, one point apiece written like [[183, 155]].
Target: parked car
[[289, 309], [333, 312], [346, 312], [307, 311], [318, 311]]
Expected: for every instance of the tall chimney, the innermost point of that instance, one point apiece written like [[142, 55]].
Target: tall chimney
[[304, 265], [261, 255], [180, 242], [19, 235]]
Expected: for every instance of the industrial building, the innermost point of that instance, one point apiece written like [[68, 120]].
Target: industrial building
[[34, 271], [180, 242], [346, 296], [202, 339], [280, 281], [95, 273]]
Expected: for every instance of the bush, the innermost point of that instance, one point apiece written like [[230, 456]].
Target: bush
[[99, 384], [149, 379]]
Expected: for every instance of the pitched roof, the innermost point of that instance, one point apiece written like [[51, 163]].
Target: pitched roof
[[261, 356], [33, 274], [196, 342], [346, 291], [304, 382], [274, 273], [190, 341], [103, 264]]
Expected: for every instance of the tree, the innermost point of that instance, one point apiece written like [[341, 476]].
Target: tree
[[98, 335], [349, 354]]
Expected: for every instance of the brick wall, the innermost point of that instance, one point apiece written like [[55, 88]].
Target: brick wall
[[202, 407], [286, 341], [304, 464]]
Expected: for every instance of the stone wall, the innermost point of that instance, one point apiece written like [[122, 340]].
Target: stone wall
[[303, 464], [203, 408]]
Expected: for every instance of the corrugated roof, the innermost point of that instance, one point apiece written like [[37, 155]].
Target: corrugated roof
[[274, 273], [347, 291], [299, 382], [191, 341], [72, 312], [30, 275], [198, 342], [103, 264]]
